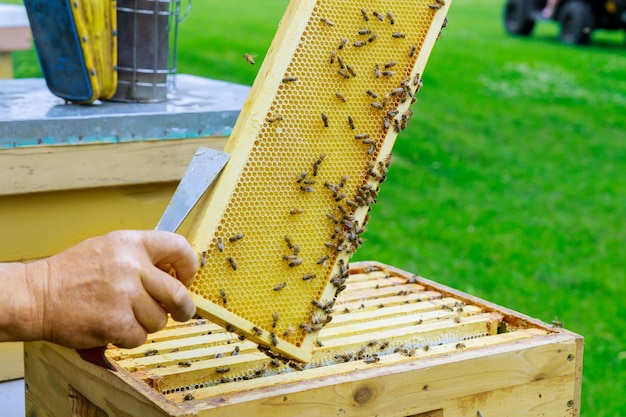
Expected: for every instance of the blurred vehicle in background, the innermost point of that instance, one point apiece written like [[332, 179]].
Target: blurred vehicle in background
[[578, 18]]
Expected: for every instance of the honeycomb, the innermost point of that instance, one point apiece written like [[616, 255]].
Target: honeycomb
[[384, 317], [309, 150]]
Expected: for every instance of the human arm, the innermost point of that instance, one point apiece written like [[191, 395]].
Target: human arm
[[113, 288]]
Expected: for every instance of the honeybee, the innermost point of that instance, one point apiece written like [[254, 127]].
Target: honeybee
[[360, 136], [257, 331], [306, 188], [274, 363], [308, 277], [288, 331], [273, 119], [184, 364], [373, 37], [223, 296], [369, 141], [390, 64], [398, 35], [340, 62], [274, 319], [332, 218], [343, 74], [391, 19], [377, 105], [343, 180], [340, 96], [364, 31], [351, 122], [188, 397], [417, 81], [325, 119], [289, 79], [220, 244], [389, 73], [460, 346], [203, 259], [435, 6], [232, 263], [317, 163], [151, 352], [364, 14], [342, 43], [222, 369], [295, 211], [309, 182], [412, 51], [294, 262], [280, 286], [351, 70], [396, 125], [319, 343], [301, 177], [274, 339], [372, 343], [371, 359], [397, 91], [333, 56], [289, 242], [249, 58], [359, 43], [322, 260], [327, 21], [236, 350], [379, 16], [377, 71], [236, 237], [371, 94], [306, 327]]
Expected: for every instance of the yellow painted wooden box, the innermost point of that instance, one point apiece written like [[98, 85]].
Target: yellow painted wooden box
[[399, 345]]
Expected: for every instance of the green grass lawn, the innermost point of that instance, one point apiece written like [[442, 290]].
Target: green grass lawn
[[509, 183]]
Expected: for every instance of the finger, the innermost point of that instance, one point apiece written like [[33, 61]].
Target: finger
[[130, 335], [171, 293], [166, 248], [149, 313]]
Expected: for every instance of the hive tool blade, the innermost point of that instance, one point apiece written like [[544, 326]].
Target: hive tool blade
[[203, 169], [201, 172]]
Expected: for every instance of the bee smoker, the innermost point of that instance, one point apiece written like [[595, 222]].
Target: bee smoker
[[147, 52]]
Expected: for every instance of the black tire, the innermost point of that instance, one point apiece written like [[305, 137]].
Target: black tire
[[517, 19], [576, 19]]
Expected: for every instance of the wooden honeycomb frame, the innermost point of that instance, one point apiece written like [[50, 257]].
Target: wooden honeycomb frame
[[309, 150]]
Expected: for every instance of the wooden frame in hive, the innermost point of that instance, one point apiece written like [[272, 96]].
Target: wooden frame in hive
[[309, 150], [401, 345]]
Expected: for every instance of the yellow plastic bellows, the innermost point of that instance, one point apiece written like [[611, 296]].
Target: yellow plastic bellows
[[312, 143], [96, 26]]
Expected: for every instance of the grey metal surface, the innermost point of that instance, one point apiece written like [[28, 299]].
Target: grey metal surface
[[204, 167], [13, 15], [12, 398], [31, 115]]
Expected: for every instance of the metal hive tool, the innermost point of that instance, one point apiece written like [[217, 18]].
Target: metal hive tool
[[309, 150]]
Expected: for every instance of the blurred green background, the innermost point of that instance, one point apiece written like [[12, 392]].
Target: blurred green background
[[509, 183]]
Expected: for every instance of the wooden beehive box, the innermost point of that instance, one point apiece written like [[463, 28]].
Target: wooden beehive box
[[399, 345]]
